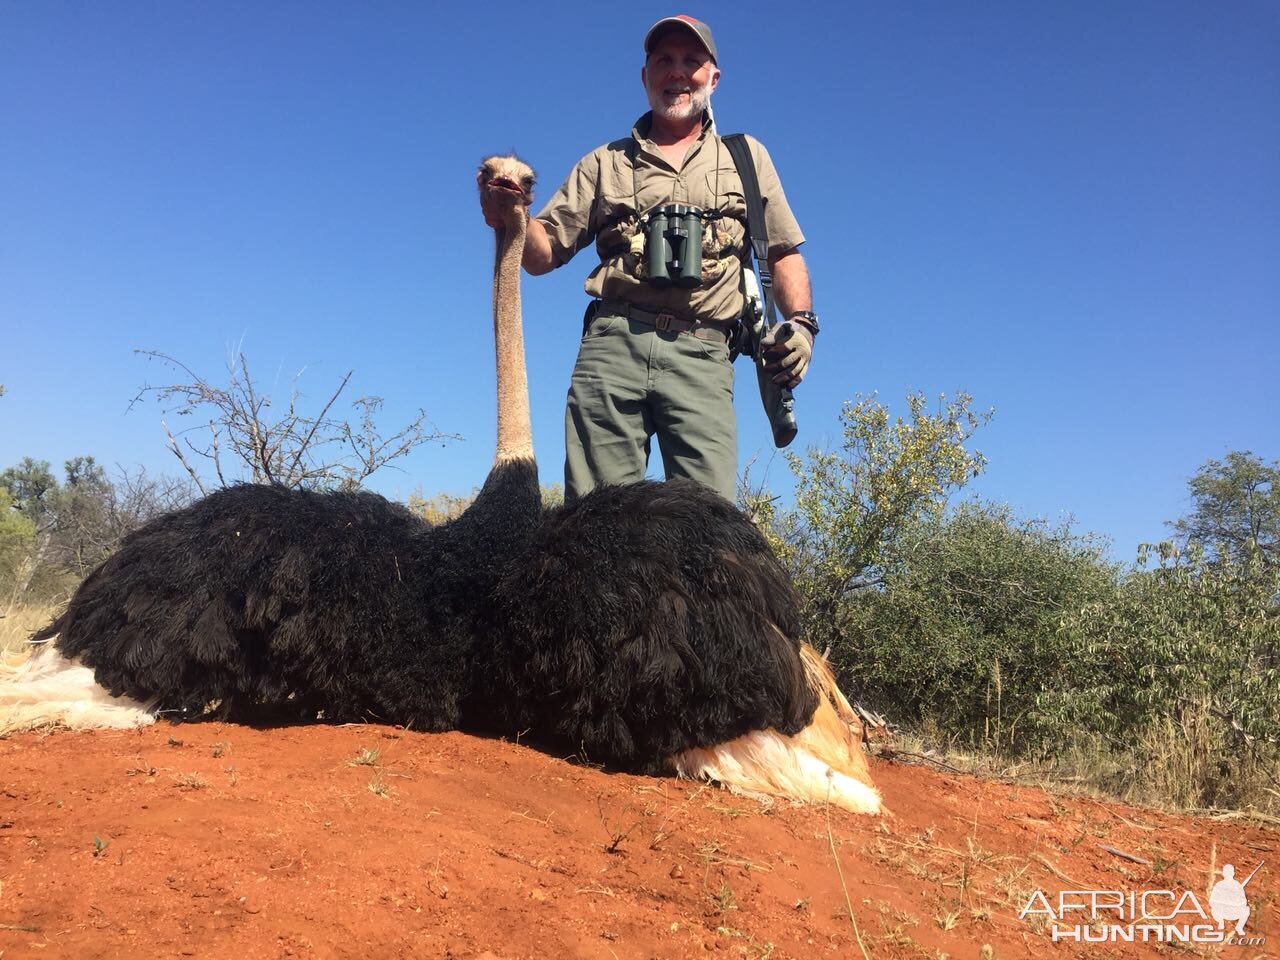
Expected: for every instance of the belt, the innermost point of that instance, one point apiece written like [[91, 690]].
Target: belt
[[702, 329]]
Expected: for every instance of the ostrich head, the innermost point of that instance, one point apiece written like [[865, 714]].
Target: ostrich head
[[506, 189]]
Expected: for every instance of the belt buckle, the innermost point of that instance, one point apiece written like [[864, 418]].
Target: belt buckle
[[663, 321]]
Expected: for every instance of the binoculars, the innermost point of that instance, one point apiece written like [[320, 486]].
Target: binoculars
[[673, 245]]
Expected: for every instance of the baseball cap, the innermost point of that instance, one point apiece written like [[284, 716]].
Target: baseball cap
[[692, 24]]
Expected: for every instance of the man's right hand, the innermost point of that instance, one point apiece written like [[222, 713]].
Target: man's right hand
[[492, 210]]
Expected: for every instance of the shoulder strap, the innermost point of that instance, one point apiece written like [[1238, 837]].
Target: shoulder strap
[[736, 144], [779, 404]]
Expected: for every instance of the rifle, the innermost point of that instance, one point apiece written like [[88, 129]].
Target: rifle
[[759, 319]]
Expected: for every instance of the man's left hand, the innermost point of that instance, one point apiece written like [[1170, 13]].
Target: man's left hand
[[787, 349]]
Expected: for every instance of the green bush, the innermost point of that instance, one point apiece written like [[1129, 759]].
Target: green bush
[[1186, 634], [855, 504], [17, 536], [967, 628]]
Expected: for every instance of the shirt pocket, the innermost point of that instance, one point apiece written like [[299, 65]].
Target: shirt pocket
[[725, 186], [615, 196], [614, 220]]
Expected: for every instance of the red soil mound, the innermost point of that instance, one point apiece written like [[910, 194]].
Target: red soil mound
[[222, 841]]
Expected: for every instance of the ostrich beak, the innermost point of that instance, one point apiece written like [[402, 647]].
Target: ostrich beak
[[508, 187]]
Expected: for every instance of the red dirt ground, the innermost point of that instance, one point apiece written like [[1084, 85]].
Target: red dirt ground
[[222, 841]]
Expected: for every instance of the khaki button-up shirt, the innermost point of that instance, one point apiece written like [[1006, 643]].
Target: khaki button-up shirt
[[610, 188]]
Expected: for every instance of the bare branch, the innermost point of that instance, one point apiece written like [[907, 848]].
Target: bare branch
[[306, 441], [288, 449], [177, 452], [217, 459]]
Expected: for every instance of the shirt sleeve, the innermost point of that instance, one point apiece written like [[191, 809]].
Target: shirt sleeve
[[567, 215], [784, 231]]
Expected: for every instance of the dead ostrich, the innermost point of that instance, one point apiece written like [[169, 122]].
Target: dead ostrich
[[648, 624]]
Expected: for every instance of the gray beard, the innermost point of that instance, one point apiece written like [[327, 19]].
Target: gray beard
[[698, 102]]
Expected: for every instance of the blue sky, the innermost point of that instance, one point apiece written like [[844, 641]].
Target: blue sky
[[1070, 210]]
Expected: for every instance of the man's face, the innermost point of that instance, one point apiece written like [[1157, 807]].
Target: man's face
[[679, 76]]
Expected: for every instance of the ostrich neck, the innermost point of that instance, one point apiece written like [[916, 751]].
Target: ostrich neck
[[515, 431]]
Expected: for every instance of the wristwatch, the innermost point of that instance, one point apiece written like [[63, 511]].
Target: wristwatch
[[806, 317]]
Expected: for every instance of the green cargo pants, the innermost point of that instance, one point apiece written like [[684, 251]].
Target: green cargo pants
[[632, 382]]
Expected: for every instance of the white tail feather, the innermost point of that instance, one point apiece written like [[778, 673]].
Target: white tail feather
[[47, 689], [766, 762], [823, 761]]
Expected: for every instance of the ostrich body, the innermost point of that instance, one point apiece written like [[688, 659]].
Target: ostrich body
[[648, 624], [257, 597], [684, 640]]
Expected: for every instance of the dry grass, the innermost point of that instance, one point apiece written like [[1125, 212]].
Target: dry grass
[[1197, 761], [367, 757], [18, 623], [1193, 764]]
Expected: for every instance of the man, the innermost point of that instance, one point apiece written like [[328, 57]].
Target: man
[[654, 358], [1227, 900]]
